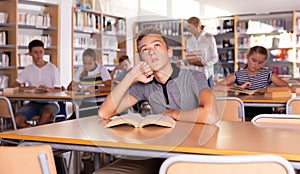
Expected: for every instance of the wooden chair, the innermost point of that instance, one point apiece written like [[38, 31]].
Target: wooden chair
[[27, 159], [278, 120], [292, 106], [231, 108], [209, 164], [6, 113], [288, 119]]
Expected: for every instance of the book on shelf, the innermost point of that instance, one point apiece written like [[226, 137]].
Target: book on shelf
[[3, 37], [138, 121], [5, 59], [35, 90], [3, 17], [4, 81]]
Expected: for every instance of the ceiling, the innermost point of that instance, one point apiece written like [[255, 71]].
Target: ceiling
[[254, 6]]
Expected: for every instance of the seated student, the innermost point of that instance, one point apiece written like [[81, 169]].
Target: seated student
[[119, 72], [40, 74], [173, 92], [253, 77], [90, 78]]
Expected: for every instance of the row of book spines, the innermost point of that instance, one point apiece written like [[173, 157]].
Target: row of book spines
[[25, 59], [40, 20], [169, 28], [91, 21], [243, 26], [24, 40], [84, 42], [281, 41]]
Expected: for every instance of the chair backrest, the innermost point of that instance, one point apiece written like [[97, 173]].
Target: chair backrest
[[214, 164], [292, 106], [27, 159], [6, 111], [231, 108], [287, 119]]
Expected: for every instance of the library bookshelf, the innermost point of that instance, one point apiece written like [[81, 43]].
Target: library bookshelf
[[174, 32], [23, 21], [279, 32], [106, 34]]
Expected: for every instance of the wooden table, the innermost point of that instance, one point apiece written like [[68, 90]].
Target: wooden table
[[228, 138], [258, 100], [53, 96]]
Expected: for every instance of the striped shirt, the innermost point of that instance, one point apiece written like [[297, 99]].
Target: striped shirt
[[261, 80]]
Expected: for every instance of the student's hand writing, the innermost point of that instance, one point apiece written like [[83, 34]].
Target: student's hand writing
[[142, 72], [246, 85]]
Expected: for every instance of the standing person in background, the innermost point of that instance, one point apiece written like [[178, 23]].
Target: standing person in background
[[201, 49], [91, 77], [253, 77], [43, 75]]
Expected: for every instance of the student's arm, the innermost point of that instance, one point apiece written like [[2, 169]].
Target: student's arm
[[73, 86], [118, 100], [225, 84], [206, 112], [20, 85], [278, 81], [113, 72], [55, 89], [106, 87]]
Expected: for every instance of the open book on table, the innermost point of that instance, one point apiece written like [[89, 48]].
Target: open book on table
[[35, 90], [246, 91], [137, 120]]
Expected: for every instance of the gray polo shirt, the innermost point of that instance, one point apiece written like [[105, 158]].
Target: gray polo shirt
[[180, 92]]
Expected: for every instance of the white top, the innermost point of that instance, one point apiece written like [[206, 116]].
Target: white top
[[205, 43], [47, 75]]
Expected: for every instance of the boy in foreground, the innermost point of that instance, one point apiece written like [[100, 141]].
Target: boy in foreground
[[173, 92]]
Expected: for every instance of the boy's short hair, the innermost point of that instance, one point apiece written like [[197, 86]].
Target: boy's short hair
[[149, 31], [123, 58], [35, 43]]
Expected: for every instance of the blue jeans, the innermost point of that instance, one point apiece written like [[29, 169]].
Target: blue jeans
[[35, 108], [210, 82]]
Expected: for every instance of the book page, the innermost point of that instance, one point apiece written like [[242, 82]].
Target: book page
[[131, 119], [159, 120], [246, 91], [35, 90]]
